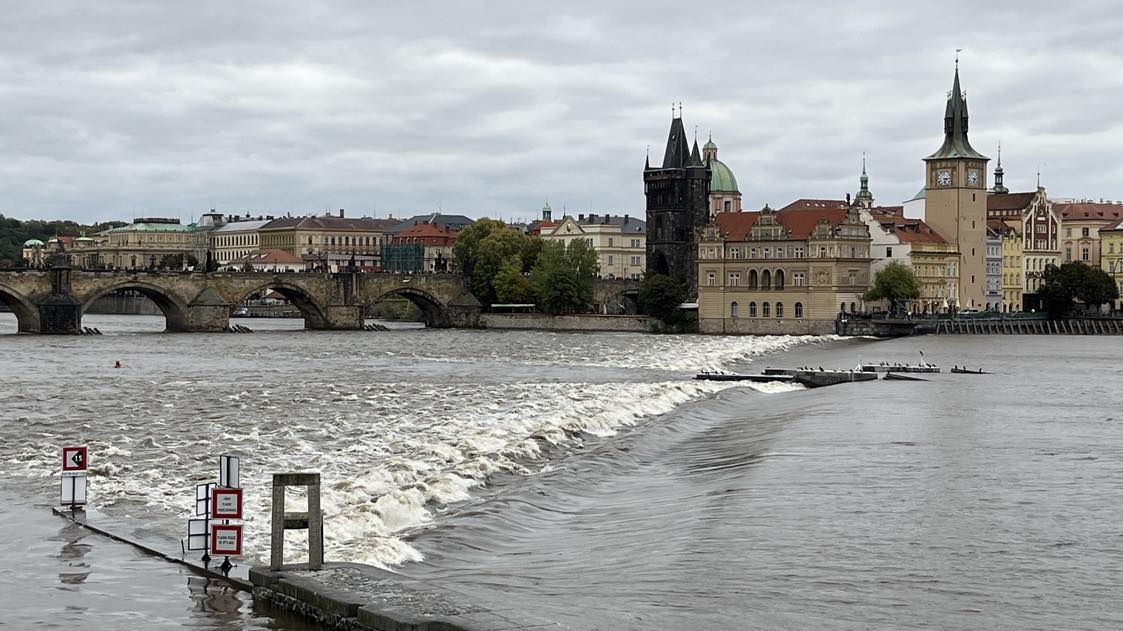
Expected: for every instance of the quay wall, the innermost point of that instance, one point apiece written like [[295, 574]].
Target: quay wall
[[765, 326], [535, 321]]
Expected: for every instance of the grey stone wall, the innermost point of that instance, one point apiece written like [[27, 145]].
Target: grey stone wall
[[639, 324], [765, 326]]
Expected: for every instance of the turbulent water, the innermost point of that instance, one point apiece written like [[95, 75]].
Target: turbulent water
[[587, 477]]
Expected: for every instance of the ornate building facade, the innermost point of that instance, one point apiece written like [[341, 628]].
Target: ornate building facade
[[724, 194], [677, 195], [618, 240], [787, 271]]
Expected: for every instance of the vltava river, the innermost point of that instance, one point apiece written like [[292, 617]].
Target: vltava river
[[586, 477]]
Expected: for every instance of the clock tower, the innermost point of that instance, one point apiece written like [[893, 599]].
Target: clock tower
[[955, 203]]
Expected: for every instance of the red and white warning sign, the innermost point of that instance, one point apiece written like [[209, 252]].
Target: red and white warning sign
[[74, 460], [226, 503], [226, 539]]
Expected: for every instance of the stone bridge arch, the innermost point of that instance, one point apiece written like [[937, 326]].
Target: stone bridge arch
[[173, 307], [433, 311], [314, 313], [27, 314]]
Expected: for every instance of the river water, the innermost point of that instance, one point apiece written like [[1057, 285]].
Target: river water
[[587, 478]]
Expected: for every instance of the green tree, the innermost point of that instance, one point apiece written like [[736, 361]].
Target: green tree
[[564, 277], [1062, 286], [660, 296], [481, 252], [175, 261], [511, 285], [895, 282]]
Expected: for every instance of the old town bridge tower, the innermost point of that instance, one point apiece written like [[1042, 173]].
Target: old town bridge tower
[[677, 205]]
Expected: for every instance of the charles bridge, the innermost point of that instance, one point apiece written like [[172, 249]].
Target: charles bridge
[[53, 301]]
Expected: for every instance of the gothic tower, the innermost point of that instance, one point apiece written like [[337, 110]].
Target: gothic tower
[[955, 203], [677, 201], [864, 197]]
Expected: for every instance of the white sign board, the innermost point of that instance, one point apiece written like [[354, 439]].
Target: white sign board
[[73, 490], [228, 474], [226, 540], [197, 534], [203, 499]]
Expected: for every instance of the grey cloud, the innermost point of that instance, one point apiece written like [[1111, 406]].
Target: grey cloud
[[116, 108]]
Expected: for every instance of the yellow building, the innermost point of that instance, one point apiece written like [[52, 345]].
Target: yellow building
[[327, 242], [787, 271], [1111, 255], [1081, 223], [935, 263], [1013, 267]]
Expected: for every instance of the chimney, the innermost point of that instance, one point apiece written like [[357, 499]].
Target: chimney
[[341, 213], [581, 217], [606, 218], [626, 217], [592, 217]]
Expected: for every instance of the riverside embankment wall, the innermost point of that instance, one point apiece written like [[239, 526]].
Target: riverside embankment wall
[[625, 323]]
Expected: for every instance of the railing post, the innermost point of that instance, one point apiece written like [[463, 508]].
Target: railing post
[[313, 520]]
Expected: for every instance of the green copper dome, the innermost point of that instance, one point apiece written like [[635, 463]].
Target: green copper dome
[[721, 178], [33, 243]]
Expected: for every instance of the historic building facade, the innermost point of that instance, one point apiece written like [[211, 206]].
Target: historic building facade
[[142, 243], [677, 195], [955, 200], [423, 248], [787, 271], [1013, 267], [328, 242], [237, 240], [620, 241], [994, 270], [1081, 222]]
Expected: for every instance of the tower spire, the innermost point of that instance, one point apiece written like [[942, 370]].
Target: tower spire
[[999, 188], [864, 196], [956, 144]]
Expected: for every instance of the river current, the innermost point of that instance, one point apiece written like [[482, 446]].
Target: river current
[[588, 478]]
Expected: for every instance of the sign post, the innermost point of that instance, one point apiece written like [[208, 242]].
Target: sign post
[[222, 504], [74, 463]]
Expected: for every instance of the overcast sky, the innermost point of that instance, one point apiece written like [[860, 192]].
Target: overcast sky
[[113, 109]]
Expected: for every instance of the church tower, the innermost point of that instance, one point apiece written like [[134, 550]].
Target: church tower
[[677, 205], [864, 197], [956, 199]]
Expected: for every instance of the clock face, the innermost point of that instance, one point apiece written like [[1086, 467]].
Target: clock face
[[973, 177], [943, 177]]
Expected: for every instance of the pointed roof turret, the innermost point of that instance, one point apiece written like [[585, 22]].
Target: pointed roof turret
[[955, 127], [695, 155], [864, 195], [709, 150], [999, 188], [677, 154]]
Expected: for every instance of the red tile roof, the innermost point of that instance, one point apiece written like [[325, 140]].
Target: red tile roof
[[1115, 226], [916, 231], [1009, 201], [266, 257], [1089, 210], [799, 217]]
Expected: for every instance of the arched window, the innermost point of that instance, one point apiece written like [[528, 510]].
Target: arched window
[[733, 309], [853, 308], [752, 309], [333, 240], [779, 279], [842, 307], [752, 279], [309, 240], [765, 279], [764, 310], [779, 309], [799, 309]]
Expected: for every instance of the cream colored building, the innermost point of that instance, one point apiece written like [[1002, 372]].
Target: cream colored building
[[620, 241], [787, 271], [1081, 222], [145, 241], [1013, 267], [237, 240], [327, 242], [724, 193]]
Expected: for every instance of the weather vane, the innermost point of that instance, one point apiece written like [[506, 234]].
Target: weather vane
[[957, 51]]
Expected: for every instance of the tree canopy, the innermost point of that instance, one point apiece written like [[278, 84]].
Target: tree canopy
[[1062, 286], [660, 296], [14, 232], [487, 249], [564, 277], [895, 282]]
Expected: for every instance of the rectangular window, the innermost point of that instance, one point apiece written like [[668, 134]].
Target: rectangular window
[[610, 242], [1068, 232], [610, 259], [888, 252], [752, 253], [711, 279], [635, 243], [1068, 254], [799, 252], [797, 279], [1083, 232], [734, 279], [635, 260], [1084, 254]]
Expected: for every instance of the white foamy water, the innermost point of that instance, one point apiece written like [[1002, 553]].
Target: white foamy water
[[400, 425]]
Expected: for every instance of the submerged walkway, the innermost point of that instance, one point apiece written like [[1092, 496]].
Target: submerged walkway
[[350, 596]]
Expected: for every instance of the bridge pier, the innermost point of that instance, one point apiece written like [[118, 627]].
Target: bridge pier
[[60, 313], [335, 318]]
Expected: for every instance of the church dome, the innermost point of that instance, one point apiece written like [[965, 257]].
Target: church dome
[[721, 178], [33, 243]]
